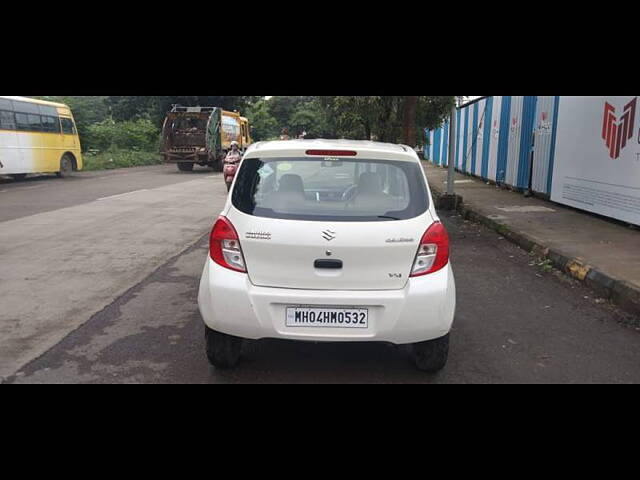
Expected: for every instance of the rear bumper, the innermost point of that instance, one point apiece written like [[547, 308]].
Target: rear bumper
[[195, 157], [423, 310]]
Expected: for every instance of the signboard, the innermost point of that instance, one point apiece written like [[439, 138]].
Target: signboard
[[597, 158], [230, 129]]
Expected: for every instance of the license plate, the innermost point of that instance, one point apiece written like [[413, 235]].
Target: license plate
[[327, 317]]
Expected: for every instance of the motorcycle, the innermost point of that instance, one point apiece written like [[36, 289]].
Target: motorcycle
[[231, 163]]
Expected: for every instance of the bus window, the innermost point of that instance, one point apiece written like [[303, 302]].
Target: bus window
[[24, 107], [35, 123], [6, 105], [22, 122], [48, 111], [50, 124], [7, 121], [68, 128]]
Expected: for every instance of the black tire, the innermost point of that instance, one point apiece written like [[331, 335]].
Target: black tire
[[431, 356], [19, 176], [217, 164], [66, 166], [223, 351], [185, 167]]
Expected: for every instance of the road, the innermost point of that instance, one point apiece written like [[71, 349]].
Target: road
[[70, 247], [516, 323]]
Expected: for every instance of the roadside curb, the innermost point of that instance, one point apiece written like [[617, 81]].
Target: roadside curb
[[623, 294]]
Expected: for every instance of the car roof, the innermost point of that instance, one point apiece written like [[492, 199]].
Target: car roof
[[363, 147]]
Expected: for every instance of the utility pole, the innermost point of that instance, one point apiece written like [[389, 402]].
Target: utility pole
[[452, 149], [450, 200]]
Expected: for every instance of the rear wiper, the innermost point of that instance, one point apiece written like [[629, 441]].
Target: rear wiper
[[387, 216]]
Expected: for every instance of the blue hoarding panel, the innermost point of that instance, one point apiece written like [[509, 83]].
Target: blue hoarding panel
[[553, 143], [445, 145], [503, 140], [526, 137], [458, 117], [474, 137], [486, 139], [465, 129]]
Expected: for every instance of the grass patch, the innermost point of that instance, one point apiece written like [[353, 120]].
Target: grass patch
[[120, 159]]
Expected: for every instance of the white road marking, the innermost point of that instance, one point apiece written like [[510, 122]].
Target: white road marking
[[123, 194]]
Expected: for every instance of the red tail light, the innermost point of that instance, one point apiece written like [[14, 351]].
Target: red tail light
[[433, 252], [333, 153], [224, 246]]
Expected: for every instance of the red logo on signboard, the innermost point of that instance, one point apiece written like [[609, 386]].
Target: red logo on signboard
[[616, 133]]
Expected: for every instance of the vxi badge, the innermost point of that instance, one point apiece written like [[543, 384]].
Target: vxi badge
[[616, 132]]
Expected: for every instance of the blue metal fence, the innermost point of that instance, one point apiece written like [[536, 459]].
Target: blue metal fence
[[498, 138]]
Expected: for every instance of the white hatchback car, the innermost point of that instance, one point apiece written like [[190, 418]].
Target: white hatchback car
[[329, 240]]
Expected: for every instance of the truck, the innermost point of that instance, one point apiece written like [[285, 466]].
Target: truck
[[202, 136]]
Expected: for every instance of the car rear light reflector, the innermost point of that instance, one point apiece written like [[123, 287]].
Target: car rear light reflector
[[224, 246], [333, 153], [433, 252]]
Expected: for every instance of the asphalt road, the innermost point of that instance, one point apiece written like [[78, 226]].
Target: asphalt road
[[516, 323], [108, 232], [46, 193]]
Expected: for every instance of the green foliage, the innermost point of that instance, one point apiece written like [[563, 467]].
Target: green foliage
[[155, 108], [263, 125], [140, 135], [301, 114], [282, 108], [382, 117], [120, 159]]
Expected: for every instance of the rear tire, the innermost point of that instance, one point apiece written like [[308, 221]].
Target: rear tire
[[217, 164], [19, 176], [185, 167], [66, 166], [223, 351], [431, 356]]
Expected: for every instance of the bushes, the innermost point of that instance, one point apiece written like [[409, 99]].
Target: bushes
[[137, 135], [119, 159]]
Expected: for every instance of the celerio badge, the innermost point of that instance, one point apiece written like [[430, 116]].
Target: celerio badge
[[258, 235]]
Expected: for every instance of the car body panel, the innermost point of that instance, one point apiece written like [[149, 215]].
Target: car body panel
[[377, 258]]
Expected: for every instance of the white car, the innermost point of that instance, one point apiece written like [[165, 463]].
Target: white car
[[329, 241]]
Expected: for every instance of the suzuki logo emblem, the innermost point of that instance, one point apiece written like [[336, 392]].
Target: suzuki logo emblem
[[328, 235], [616, 133]]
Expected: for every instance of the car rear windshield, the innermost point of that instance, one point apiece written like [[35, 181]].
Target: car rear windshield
[[330, 189]]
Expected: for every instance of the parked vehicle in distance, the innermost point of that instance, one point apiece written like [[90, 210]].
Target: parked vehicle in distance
[[37, 137], [202, 135], [329, 241]]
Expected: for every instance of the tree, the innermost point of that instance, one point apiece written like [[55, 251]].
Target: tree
[[263, 125], [155, 108], [283, 108], [386, 118], [409, 124]]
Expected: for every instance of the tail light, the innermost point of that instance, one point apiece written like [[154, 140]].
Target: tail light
[[224, 246], [433, 252]]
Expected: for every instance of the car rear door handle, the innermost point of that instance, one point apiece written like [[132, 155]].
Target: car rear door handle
[[324, 263]]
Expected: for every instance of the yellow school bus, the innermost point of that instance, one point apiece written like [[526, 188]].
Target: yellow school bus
[[37, 137]]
